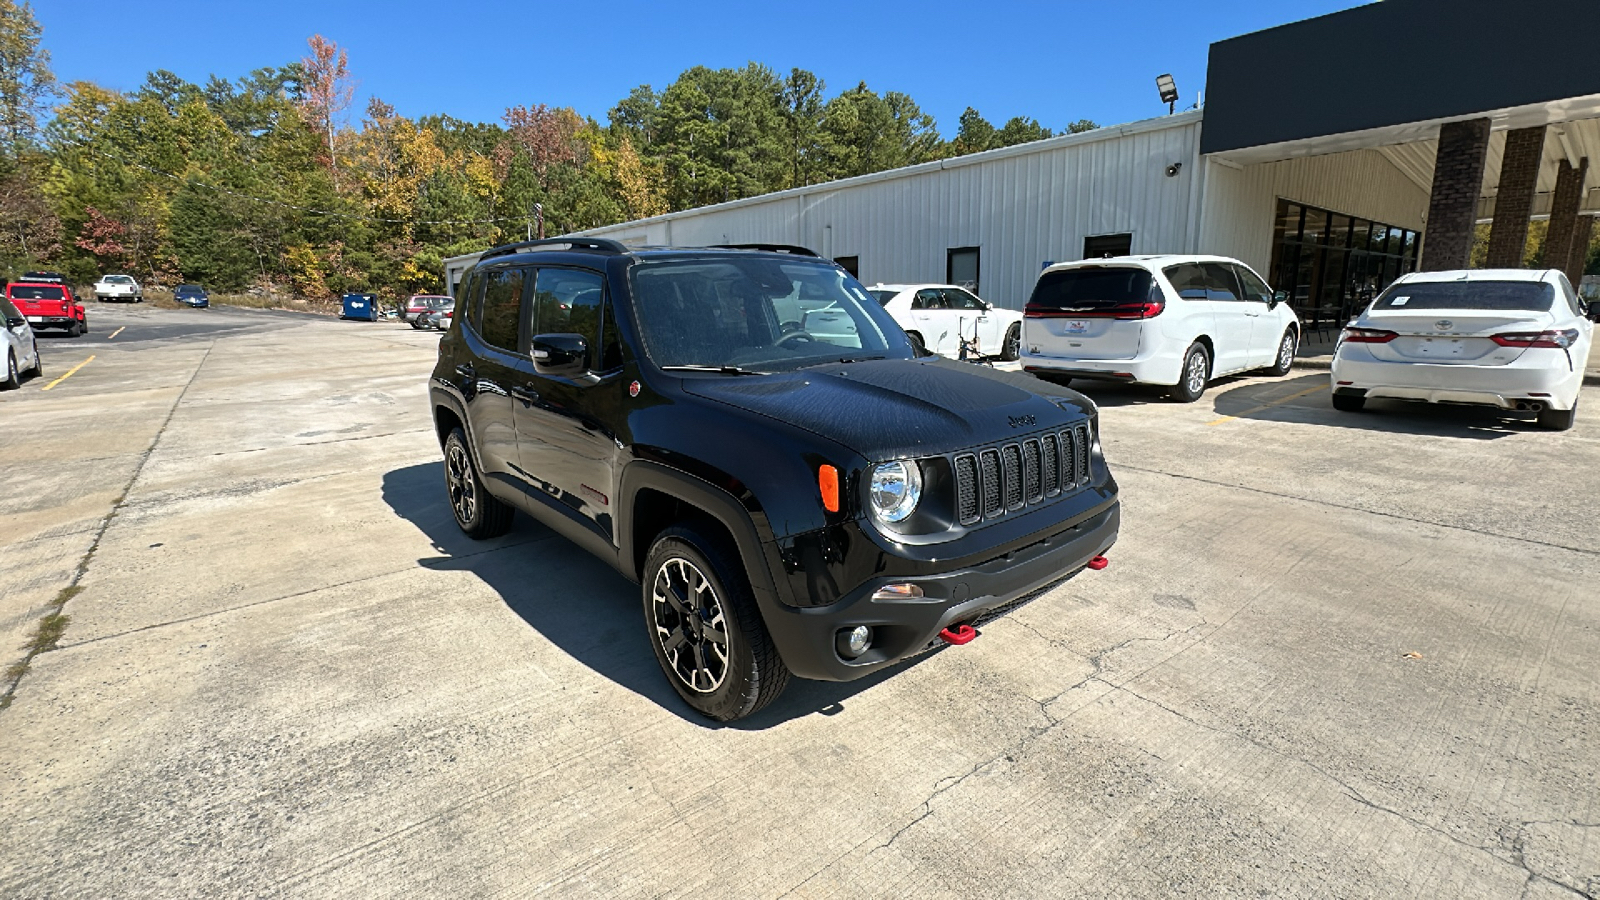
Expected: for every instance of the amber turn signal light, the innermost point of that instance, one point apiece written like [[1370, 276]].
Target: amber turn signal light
[[828, 484]]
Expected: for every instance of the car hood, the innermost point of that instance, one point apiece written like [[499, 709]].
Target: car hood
[[892, 408]]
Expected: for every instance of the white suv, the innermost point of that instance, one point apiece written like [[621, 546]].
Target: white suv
[[1508, 338], [941, 316], [118, 287], [1171, 320]]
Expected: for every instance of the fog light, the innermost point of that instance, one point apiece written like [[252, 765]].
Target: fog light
[[897, 592], [852, 642]]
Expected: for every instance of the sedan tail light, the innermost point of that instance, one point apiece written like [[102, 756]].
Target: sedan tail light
[[1367, 336], [1140, 310], [1556, 340]]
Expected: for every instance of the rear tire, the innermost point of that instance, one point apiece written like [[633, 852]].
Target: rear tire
[[1558, 419], [13, 379], [74, 330], [479, 514], [1012, 348], [1194, 376], [1349, 403], [1285, 361], [705, 629]]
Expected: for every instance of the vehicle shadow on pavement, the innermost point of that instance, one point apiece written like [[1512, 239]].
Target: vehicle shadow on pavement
[[1116, 393], [1276, 401], [579, 603]]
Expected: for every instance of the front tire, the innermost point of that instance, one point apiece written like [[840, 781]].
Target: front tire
[[1349, 402], [13, 379], [1285, 361], [1558, 419], [704, 626], [1012, 348], [38, 363], [1194, 375], [479, 514]]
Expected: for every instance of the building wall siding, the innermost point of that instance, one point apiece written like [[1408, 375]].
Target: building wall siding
[[1240, 205]]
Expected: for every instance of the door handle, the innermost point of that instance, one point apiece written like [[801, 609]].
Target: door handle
[[527, 394], [465, 370]]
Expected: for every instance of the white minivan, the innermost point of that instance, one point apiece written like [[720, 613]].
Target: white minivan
[[1169, 320]]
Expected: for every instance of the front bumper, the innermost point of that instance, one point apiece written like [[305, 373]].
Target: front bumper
[[1528, 378], [805, 637]]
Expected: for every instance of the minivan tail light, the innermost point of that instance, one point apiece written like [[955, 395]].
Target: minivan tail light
[[1555, 340], [1368, 336], [1141, 310]]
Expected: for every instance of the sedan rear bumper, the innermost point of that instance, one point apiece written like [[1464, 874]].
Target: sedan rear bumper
[[1540, 375]]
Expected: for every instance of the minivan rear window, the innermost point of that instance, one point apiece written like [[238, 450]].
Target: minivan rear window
[[1531, 296], [1096, 287]]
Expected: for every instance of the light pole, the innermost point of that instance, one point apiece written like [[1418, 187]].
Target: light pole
[[1169, 91]]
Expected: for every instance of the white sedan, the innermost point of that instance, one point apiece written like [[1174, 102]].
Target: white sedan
[[942, 316], [1508, 338], [118, 287]]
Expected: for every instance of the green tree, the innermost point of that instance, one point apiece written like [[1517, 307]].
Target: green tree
[[1020, 130], [26, 83]]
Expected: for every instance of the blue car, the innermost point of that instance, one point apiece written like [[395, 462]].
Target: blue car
[[192, 295], [362, 307]]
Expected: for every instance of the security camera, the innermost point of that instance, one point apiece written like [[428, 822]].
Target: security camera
[[1174, 169]]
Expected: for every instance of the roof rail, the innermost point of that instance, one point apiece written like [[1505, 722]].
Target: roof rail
[[596, 245], [790, 249]]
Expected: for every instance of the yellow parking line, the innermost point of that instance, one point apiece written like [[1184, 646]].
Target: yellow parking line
[[1269, 405], [115, 333], [69, 373]]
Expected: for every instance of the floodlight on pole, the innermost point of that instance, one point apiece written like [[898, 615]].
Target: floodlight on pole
[[1169, 91]]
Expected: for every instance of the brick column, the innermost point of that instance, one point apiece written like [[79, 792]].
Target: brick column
[[1453, 204], [1564, 213], [1581, 234], [1513, 203]]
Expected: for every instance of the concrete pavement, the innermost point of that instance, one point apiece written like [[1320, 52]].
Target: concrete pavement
[[1334, 655]]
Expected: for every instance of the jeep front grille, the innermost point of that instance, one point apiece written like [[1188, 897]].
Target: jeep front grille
[[996, 480]]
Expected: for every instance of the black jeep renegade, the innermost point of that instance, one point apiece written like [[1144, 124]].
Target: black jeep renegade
[[748, 435]]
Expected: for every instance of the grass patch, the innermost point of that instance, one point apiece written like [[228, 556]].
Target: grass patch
[[163, 300], [46, 635]]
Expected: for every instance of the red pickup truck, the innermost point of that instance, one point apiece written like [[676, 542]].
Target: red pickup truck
[[49, 306]]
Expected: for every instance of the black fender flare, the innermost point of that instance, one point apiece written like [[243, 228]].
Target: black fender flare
[[446, 394], [714, 501]]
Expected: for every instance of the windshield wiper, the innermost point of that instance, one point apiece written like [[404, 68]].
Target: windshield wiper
[[723, 370], [847, 359]]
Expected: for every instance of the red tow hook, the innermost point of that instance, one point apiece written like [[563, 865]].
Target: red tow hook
[[1098, 563], [958, 635]]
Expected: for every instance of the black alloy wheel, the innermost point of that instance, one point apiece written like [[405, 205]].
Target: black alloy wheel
[[480, 515], [1194, 375], [707, 634], [1012, 348], [1285, 360]]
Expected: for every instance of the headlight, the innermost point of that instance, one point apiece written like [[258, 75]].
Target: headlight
[[894, 489]]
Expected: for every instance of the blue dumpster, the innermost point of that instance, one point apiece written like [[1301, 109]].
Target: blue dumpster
[[360, 306]]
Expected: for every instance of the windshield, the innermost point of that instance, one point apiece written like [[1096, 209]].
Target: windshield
[[1082, 290], [883, 297], [188, 289], [36, 293], [1529, 296], [758, 313], [117, 279]]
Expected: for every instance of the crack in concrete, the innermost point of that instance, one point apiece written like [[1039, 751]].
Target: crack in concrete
[[1374, 512]]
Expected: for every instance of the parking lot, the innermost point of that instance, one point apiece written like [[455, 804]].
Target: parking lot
[[1334, 655]]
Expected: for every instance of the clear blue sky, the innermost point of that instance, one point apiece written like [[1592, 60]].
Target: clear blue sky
[[1054, 61]]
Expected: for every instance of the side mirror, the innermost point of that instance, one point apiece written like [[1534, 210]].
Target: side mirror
[[560, 354], [16, 322]]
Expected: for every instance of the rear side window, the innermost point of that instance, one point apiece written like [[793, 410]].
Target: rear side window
[[1189, 280], [1530, 296], [1097, 287], [26, 292], [502, 307]]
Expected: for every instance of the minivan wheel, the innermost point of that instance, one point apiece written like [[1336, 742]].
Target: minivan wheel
[[1285, 360], [479, 514], [1013, 345], [1558, 419], [705, 628], [1194, 375]]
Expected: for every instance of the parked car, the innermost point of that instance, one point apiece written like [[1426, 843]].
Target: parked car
[[436, 319], [192, 295], [419, 304], [49, 306], [118, 287], [22, 348], [941, 316], [792, 505], [1512, 339], [1165, 320], [43, 278], [362, 307]]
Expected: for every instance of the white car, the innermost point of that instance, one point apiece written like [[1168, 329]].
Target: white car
[[118, 287], [1509, 338], [21, 348], [941, 316], [1168, 320]]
